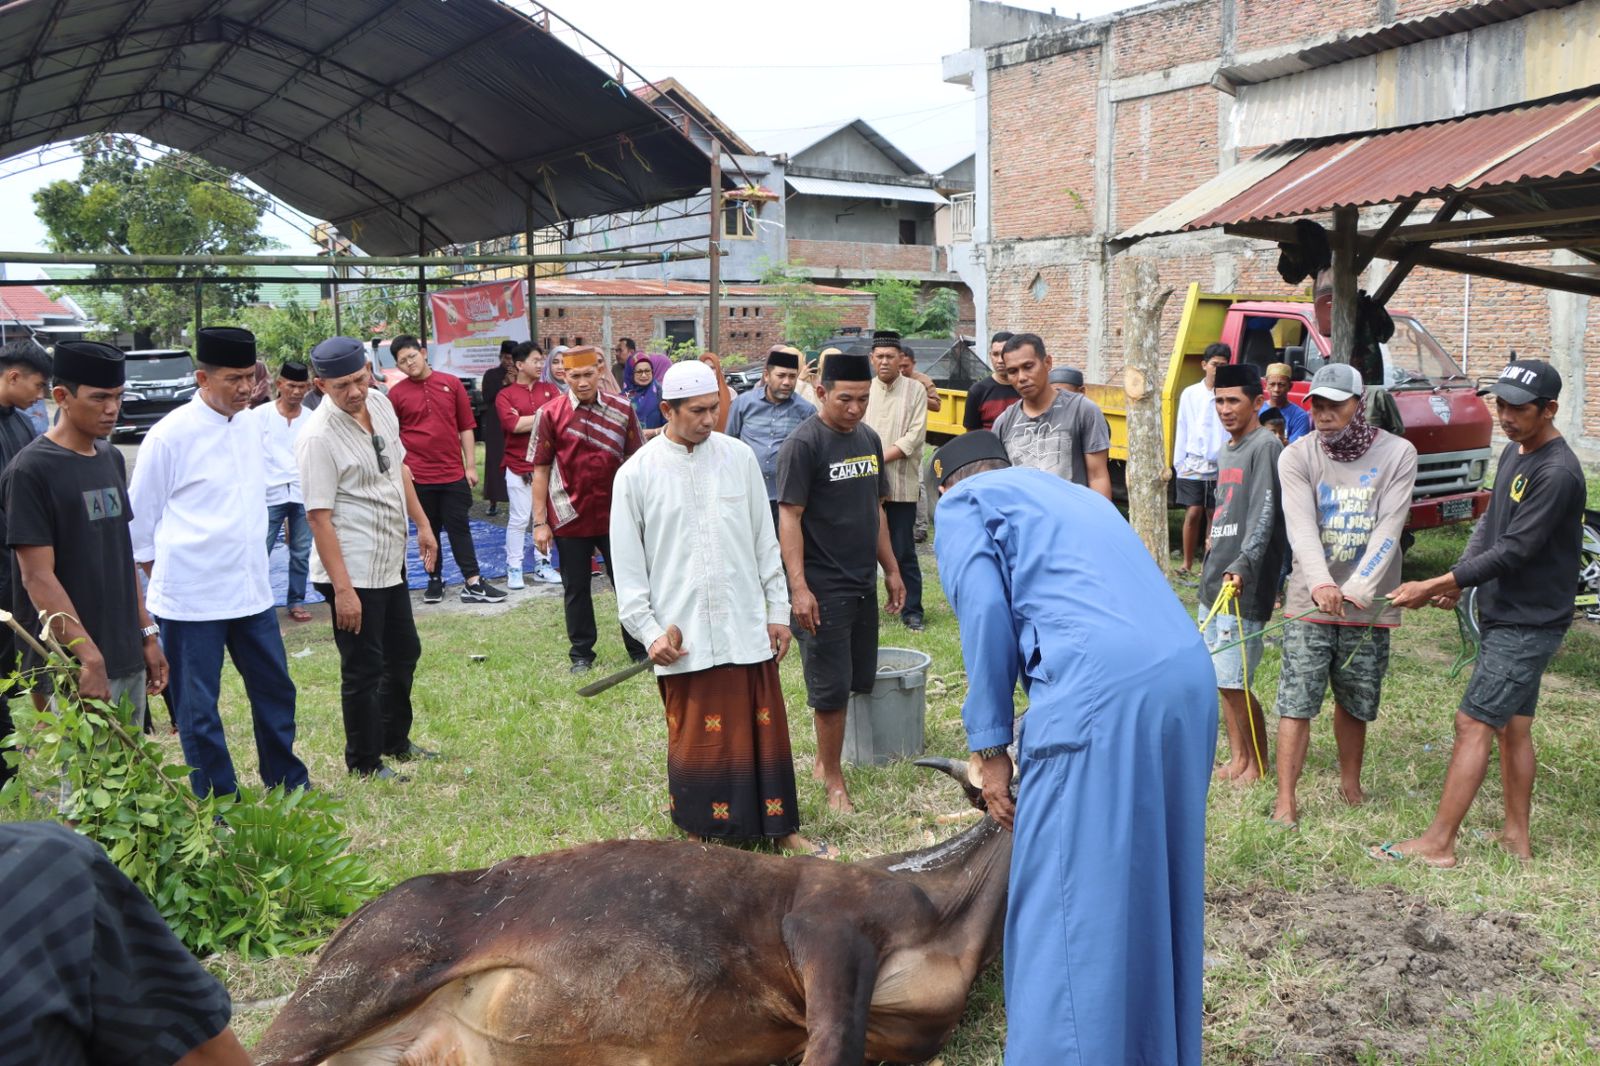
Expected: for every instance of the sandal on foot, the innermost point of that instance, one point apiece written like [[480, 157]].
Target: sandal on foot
[[1279, 823], [1389, 852], [299, 614]]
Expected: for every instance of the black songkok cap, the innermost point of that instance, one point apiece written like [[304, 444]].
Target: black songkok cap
[[1270, 413], [846, 367], [1066, 375], [294, 371], [89, 363], [1237, 376], [226, 346], [970, 447], [338, 357], [784, 357]]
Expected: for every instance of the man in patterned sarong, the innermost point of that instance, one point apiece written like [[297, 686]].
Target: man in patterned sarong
[[700, 584]]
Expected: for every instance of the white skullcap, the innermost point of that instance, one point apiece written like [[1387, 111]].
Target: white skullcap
[[688, 378]]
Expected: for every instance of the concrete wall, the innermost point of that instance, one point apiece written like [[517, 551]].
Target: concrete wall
[[834, 218], [1090, 127], [846, 149]]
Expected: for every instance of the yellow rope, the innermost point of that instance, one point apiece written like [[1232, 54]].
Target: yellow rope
[[1229, 595]]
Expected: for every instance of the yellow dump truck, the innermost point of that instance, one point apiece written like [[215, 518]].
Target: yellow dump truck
[[1442, 414]]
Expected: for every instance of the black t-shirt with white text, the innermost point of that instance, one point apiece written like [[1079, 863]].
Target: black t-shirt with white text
[[838, 479], [78, 505], [1523, 557]]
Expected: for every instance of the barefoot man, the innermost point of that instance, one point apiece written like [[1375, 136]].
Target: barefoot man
[[694, 549], [834, 535], [1247, 543], [1521, 559], [1346, 496]]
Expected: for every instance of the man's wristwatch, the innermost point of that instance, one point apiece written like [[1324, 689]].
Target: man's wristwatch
[[149, 631], [992, 753]]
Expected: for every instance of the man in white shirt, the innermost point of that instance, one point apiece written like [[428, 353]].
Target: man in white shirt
[[199, 498], [1196, 443], [694, 551], [280, 422]]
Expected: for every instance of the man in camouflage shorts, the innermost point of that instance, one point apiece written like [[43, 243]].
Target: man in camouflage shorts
[[1346, 497]]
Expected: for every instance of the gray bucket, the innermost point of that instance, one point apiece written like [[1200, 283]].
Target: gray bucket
[[887, 722]]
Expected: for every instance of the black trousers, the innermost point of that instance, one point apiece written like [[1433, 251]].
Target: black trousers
[[903, 542], [376, 665], [446, 507], [576, 589]]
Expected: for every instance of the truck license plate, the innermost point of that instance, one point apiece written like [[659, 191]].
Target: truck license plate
[[1456, 510]]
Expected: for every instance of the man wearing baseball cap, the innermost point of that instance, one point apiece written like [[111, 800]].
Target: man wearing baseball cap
[[1346, 497], [1521, 559]]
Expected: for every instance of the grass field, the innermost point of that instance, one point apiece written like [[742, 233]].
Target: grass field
[[1316, 953]]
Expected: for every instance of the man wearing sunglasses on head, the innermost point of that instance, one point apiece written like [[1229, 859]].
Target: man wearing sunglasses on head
[[358, 495]]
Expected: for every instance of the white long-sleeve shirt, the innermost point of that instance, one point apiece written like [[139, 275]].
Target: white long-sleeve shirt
[[692, 545], [277, 445], [1198, 438], [199, 498]]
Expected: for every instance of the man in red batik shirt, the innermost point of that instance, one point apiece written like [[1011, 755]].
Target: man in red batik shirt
[[579, 442], [436, 427]]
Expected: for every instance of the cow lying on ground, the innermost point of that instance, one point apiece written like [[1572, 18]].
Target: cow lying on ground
[[661, 953]]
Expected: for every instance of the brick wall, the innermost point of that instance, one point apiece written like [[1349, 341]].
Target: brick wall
[[1163, 147], [1042, 184], [856, 255], [1276, 22], [1167, 37], [1052, 301]]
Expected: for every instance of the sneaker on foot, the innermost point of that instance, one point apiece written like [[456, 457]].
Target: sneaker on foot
[[514, 578], [435, 591], [546, 574], [481, 591], [580, 666], [913, 622]]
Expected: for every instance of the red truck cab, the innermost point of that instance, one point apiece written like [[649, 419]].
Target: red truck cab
[[1443, 416]]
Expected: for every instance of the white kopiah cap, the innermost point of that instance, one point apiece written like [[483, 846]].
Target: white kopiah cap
[[688, 378]]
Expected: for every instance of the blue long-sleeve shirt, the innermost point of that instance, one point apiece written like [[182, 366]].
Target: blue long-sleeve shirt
[[764, 426]]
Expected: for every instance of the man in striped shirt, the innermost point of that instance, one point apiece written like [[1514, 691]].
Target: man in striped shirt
[[579, 442]]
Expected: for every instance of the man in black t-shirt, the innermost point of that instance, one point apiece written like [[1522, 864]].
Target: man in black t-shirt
[[67, 515], [24, 371], [1522, 558], [834, 536], [989, 398]]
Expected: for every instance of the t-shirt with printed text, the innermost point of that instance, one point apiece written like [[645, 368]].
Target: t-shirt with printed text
[[838, 479]]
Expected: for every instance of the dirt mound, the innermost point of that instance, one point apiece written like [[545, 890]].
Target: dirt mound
[[1355, 971]]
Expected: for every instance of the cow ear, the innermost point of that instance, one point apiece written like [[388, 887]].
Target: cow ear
[[961, 774]]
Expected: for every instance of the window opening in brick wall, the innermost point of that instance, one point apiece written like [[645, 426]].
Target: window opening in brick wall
[[680, 330], [908, 231]]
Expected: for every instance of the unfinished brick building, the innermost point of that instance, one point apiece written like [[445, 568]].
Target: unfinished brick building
[[1086, 129]]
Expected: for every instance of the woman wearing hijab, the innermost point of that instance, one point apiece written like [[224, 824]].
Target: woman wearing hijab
[[643, 390]]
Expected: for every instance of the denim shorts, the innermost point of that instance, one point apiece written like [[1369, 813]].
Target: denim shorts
[[1350, 659], [1230, 664], [1505, 682]]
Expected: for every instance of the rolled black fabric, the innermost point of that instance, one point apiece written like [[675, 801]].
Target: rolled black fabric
[[846, 367], [226, 346], [970, 447], [338, 357], [1238, 376], [89, 363], [294, 371]]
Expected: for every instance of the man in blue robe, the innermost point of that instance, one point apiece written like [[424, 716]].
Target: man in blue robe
[[1104, 925]]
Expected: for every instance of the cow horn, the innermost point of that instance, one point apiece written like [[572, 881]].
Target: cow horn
[[957, 770]]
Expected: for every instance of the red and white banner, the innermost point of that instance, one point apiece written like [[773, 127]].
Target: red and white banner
[[469, 324]]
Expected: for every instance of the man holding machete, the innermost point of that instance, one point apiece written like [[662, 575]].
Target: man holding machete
[[692, 542]]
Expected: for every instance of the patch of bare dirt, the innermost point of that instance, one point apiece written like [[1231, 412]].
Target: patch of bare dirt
[[1354, 970]]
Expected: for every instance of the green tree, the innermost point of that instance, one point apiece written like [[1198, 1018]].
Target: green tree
[[288, 332], [809, 317], [900, 308], [181, 205]]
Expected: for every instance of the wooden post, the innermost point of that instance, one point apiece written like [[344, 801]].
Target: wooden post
[[422, 293], [1142, 378], [714, 246], [1345, 251]]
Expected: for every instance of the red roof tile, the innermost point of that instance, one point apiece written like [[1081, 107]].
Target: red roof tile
[[29, 305]]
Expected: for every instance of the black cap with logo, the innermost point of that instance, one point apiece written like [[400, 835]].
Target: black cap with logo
[[1524, 381]]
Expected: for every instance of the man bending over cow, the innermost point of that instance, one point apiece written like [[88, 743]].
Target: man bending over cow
[[693, 549], [1103, 928]]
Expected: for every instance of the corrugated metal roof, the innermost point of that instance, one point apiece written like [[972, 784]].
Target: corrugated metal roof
[[863, 190], [1544, 141], [1339, 48]]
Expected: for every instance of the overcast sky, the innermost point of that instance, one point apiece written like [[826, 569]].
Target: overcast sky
[[780, 75]]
